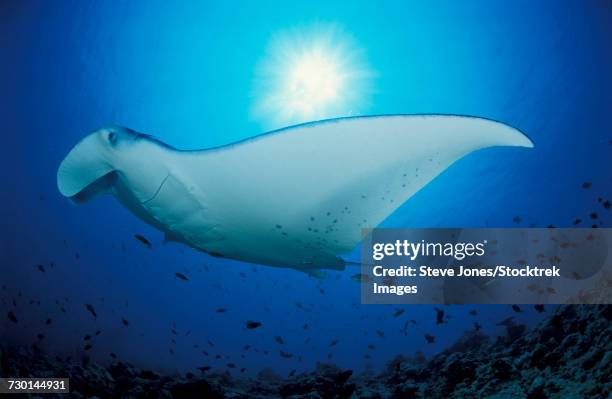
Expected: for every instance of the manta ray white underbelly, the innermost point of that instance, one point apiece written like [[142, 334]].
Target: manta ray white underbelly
[[296, 197]]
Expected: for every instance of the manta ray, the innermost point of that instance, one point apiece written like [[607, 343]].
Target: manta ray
[[296, 197]]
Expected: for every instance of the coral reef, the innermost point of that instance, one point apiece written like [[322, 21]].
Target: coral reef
[[568, 355]]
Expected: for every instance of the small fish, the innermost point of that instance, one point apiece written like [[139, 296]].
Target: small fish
[[333, 343], [181, 276], [49, 321], [577, 221], [439, 316], [539, 308], [231, 366], [204, 368], [477, 326], [517, 219], [40, 268], [113, 355], [286, 355], [404, 329], [40, 337], [398, 312], [221, 310], [380, 333], [87, 337], [292, 373], [473, 312], [125, 322], [279, 339], [252, 325], [143, 240], [516, 308], [12, 317], [88, 347], [607, 204], [90, 309], [593, 215], [430, 338], [587, 185]]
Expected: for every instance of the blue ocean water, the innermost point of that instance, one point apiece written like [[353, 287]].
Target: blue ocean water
[[183, 72]]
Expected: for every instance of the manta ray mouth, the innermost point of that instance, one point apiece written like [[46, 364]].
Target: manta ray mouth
[[98, 187]]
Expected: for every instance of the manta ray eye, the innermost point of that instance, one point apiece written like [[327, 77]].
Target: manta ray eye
[[112, 138]]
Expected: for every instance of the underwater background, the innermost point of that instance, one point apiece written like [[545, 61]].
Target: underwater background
[[184, 72]]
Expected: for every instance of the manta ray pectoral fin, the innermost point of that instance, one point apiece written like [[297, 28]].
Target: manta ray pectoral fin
[[84, 173], [311, 188]]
